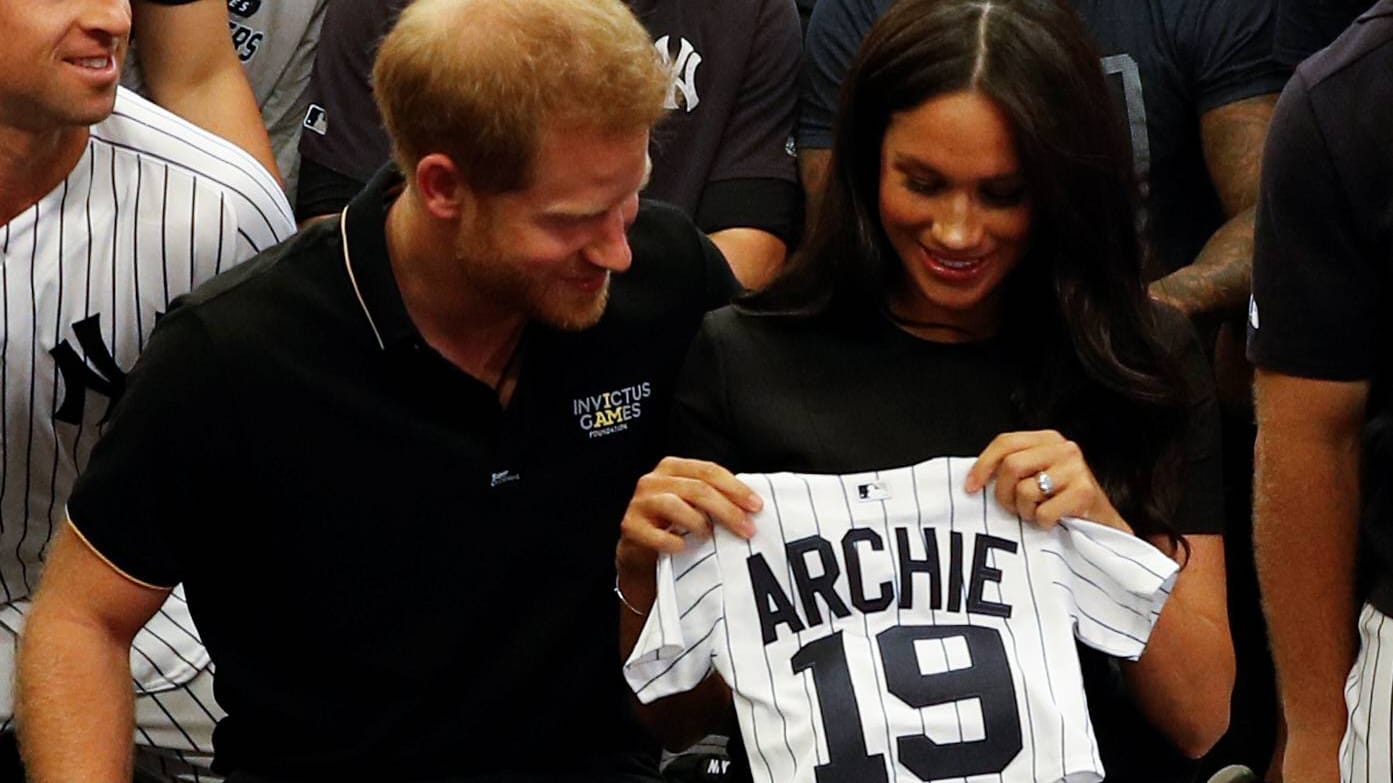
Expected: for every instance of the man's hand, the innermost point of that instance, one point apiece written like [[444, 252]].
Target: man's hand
[[681, 497]]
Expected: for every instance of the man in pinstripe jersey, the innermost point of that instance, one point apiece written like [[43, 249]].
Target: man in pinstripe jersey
[[109, 207]]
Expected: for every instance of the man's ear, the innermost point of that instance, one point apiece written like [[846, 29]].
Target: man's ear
[[443, 191]]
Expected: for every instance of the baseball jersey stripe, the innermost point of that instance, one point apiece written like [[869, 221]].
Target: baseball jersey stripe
[[697, 564], [768, 664], [1045, 657], [952, 525], [223, 164], [877, 676]]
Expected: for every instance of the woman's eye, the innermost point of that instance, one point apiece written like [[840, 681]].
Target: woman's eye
[[1004, 195], [924, 186]]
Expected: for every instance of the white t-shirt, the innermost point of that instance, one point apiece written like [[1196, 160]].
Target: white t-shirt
[[888, 626]]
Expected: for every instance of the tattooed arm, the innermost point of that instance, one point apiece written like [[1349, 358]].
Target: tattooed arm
[[1218, 280]]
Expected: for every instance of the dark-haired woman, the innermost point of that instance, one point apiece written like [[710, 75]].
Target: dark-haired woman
[[972, 287]]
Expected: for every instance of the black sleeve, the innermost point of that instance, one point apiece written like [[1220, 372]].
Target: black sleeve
[[772, 205], [1229, 46], [323, 191], [144, 480], [755, 140], [835, 33], [700, 425], [1317, 287]]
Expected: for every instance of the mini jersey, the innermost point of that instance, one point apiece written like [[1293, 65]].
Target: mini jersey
[[889, 626]]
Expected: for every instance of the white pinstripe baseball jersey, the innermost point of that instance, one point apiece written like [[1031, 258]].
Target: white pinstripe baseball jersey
[[154, 207], [1366, 751], [888, 626]]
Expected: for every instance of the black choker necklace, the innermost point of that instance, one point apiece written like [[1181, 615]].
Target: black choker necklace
[[900, 320]]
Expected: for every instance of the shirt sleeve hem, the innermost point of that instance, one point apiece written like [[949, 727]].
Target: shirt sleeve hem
[[72, 524]]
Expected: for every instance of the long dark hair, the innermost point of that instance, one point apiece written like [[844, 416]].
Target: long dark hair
[[1076, 308]]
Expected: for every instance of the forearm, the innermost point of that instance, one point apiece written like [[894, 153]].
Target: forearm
[[812, 171], [221, 102], [74, 701], [1306, 505], [191, 69], [1218, 282], [754, 256], [1184, 681]]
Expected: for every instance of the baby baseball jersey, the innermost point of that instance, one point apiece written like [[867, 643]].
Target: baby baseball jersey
[[888, 626]]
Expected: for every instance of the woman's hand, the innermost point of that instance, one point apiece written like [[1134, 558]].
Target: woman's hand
[[1043, 477]]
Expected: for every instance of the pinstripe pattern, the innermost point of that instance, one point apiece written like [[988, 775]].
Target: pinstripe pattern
[[1366, 753], [153, 208], [1079, 580]]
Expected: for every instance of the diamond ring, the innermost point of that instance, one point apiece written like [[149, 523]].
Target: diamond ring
[[1045, 483]]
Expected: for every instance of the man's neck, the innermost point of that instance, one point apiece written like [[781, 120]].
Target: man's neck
[[473, 334], [33, 163]]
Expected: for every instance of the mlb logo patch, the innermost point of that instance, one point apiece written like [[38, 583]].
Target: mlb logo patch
[[316, 119], [872, 490]]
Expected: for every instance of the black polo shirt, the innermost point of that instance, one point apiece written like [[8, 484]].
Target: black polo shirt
[[1323, 252], [395, 575]]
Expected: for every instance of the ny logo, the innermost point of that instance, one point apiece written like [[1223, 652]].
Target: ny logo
[[108, 379], [683, 68]]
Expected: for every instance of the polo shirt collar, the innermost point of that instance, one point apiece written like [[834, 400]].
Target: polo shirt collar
[[364, 235]]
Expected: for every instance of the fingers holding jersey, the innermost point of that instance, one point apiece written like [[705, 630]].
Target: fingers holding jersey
[[1044, 477], [683, 497]]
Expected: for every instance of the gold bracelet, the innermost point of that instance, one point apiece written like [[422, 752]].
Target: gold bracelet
[[624, 600]]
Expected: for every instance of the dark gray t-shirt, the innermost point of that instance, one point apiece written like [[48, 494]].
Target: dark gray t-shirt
[[1167, 61], [343, 130]]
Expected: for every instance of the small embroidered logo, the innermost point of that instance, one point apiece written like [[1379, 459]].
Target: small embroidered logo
[[503, 477], [873, 490]]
